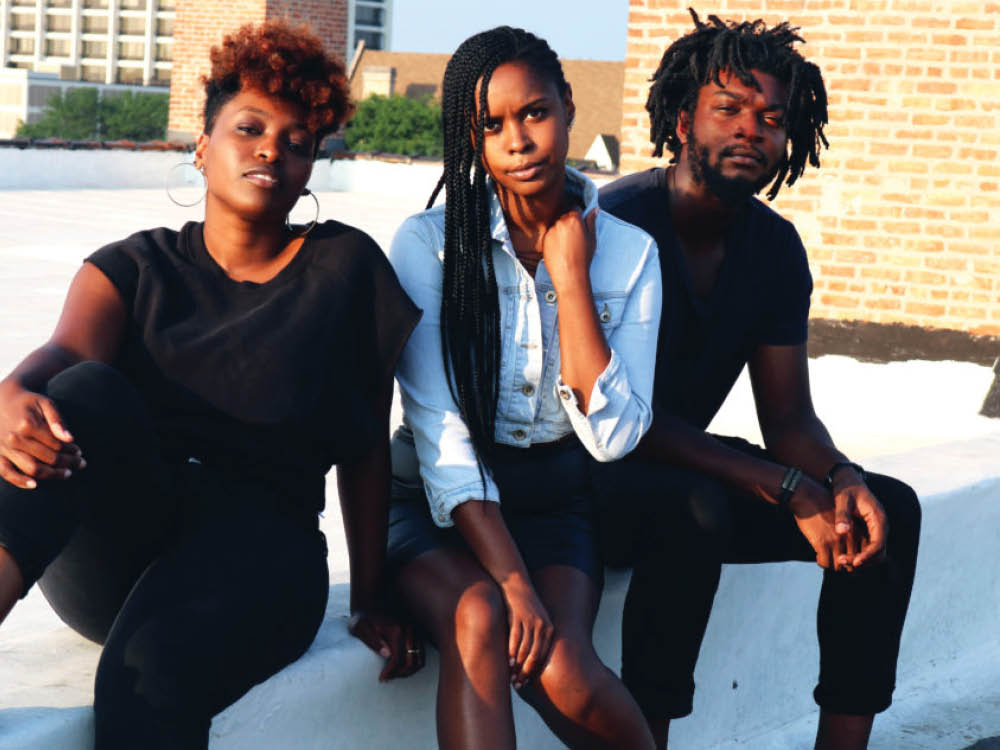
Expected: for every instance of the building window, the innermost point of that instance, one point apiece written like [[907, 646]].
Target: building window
[[92, 73], [131, 50], [22, 21], [95, 50], [164, 27], [133, 5], [372, 39], [59, 22], [130, 75], [57, 47], [132, 26], [21, 46], [95, 24], [164, 52], [161, 77], [167, 5], [368, 15], [101, 4]]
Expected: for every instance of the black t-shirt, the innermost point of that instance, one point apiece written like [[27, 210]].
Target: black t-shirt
[[761, 297], [276, 381]]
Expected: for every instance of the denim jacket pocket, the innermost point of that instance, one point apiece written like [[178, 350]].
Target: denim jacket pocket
[[610, 308]]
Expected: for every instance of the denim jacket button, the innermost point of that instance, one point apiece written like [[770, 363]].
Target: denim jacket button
[[528, 389], [550, 296], [565, 395], [519, 434]]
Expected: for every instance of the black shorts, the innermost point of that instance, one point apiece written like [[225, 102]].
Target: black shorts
[[546, 500]]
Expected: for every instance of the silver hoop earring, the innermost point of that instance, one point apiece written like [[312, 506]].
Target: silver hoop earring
[[312, 225], [170, 173]]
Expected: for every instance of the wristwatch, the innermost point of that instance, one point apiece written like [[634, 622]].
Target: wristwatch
[[828, 482], [789, 484]]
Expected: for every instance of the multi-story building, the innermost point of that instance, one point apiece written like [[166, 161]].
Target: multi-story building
[[101, 41], [369, 21], [56, 44]]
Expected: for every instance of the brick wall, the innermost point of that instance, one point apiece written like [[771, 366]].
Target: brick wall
[[199, 25], [902, 223]]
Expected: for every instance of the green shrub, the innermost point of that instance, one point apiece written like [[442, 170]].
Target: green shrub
[[134, 116], [396, 125], [79, 114], [71, 115]]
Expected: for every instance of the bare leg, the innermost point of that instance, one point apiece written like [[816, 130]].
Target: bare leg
[[11, 583], [580, 699], [660, 729], [455, 600], [843, 731]]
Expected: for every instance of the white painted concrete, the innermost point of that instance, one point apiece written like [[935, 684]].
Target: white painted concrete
[[916, 420]]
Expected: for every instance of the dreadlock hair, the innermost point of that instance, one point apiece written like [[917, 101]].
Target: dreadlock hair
[[737, 48], [470, 311]]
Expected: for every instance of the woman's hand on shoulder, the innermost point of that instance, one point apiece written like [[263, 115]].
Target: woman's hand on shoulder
[[568, 247], [34, 441], [530, 630], [396, 642]]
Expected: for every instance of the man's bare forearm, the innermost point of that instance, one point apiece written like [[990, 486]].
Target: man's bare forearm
[[672, 440]]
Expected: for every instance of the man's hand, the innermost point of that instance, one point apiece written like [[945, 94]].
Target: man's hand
[[34, 442], [861, 522], [531, 631], [813, 509], [395, 642]]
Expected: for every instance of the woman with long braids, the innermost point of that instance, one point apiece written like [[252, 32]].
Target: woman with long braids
[[534, 356], [164, 453]]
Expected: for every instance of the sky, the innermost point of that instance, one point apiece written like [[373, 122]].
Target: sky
[[575, 29]]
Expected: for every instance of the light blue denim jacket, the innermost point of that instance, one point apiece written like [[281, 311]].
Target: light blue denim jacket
[[534, 405]]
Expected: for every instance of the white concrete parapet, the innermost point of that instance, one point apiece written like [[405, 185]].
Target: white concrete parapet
[[755, 675]]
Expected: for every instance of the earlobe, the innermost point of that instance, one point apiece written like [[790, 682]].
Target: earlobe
[[569, 105], [199, 150], [683, 126]]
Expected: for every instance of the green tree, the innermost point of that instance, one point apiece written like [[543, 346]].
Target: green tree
[[134, 116], [71, 115], [79, 114], [396, 125]]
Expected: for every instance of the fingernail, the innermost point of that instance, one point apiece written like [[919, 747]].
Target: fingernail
[[67, 473], [510, 662], [31, 484], [384, 652], [83, 462]]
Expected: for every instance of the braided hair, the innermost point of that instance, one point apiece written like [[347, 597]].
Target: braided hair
[[698, 58], [470, 310]]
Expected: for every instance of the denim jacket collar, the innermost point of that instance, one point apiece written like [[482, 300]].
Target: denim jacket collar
[[498, 224]]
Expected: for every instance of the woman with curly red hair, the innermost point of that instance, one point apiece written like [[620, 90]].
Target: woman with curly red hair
[[164, 452]]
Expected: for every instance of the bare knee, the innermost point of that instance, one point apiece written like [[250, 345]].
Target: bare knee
[[479, 621], [573, 678]]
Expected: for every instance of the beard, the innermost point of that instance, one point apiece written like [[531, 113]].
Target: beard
[[727, 189]]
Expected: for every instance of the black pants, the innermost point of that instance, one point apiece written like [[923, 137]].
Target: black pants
[[676, 527], [199, 584]]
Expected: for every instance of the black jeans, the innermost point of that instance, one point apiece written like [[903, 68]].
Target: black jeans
[[198, 584], [676, 527]]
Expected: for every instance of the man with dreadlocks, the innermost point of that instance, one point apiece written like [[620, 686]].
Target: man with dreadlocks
[[740, 109]]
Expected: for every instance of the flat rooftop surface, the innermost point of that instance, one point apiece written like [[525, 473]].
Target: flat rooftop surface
[[897, 417]]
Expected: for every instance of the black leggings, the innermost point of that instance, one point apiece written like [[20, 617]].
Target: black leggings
[[677, 527], [199, 584]]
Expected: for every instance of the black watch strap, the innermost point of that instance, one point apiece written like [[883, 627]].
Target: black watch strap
[[789, 484], [828, 482]]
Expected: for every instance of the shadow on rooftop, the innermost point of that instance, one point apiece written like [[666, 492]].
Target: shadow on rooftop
[[987, 743]]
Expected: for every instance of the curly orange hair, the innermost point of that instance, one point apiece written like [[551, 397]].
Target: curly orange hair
[[280, 60]]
